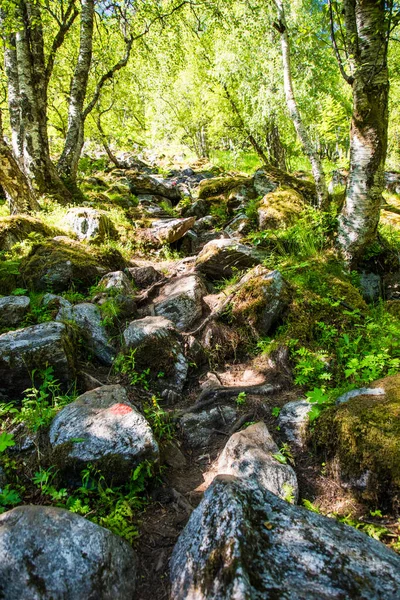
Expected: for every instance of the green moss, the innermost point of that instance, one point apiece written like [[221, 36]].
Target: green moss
[[281, 208], [363, 435], [218, 185], [17, 228], [56, 264], [283, 179]]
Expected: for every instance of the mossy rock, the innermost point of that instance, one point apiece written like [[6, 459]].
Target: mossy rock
[[261, 300], [362, 437], [284, 180], [280, 209], [56, 265], [17, 228], [321, 293], [216, 186]]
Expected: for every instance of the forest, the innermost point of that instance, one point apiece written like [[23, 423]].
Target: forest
[[199, 299]]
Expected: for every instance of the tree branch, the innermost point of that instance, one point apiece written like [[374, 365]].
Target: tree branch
[[348, 78]]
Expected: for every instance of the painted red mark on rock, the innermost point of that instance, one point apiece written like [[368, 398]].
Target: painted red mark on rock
[[120, 409]]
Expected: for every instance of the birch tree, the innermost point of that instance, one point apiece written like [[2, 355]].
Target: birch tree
[[13, 180], [363, 64], [294, 112]]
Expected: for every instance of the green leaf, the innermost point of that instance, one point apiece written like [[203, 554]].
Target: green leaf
[[6, 441]]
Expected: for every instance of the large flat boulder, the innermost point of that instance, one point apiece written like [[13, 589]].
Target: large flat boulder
[[222, 257], [112, 434], [35, 348], [49, 553], [242, 541], [142, 183]]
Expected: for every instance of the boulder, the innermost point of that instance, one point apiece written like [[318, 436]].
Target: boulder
[[260, 300], [239, 226], [198, 429], [216, 186], [90, 224], [221, 258], [167, 231], [57, 264], [293, 420], [17, 228], [249, 454], [112, 434], [141, 183], [116, 282], [144, 277], [49, 553], [88, 319], [158, 347], [180, 301], [360, 439], [280, 209], [242, 541], [264, 183], [35, 348], [13, 310], [268, 179]]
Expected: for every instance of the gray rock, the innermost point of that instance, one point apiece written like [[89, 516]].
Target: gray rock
[[114, 435], [360, 392], [167, 231], [116, 281], [140, 183], [144, 277], [239, 226], [90, 224], [52, 554], [13, 309], [220, 258], [242, 541], [249, 454], [198, 429], [158, 347], [263, 183], [180, 301], [52, 300], [36, 347], [89, 321], [293, 420], [371, 287]]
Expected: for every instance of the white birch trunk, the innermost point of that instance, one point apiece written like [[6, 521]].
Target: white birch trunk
[[367, 40], [68, 163], [301, 130]]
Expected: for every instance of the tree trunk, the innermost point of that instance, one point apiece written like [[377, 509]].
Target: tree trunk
[[33, 103], [316, 166], [11, 69], [367, 39], [21, 198], [68, 163], [276, 150]]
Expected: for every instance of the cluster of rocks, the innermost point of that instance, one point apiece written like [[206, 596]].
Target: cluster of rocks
[[247, 538]]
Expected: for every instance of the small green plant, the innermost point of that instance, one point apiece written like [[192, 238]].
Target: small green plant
[[40, 404], [276, 411], [109, 311], [43, 479], [8, 498], [288, 491], [241, 399], [284, 455], [126, 364], [6, 441], [157, 417], [310, 506]]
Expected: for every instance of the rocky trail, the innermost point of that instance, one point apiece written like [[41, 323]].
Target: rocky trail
[[165, 348]]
